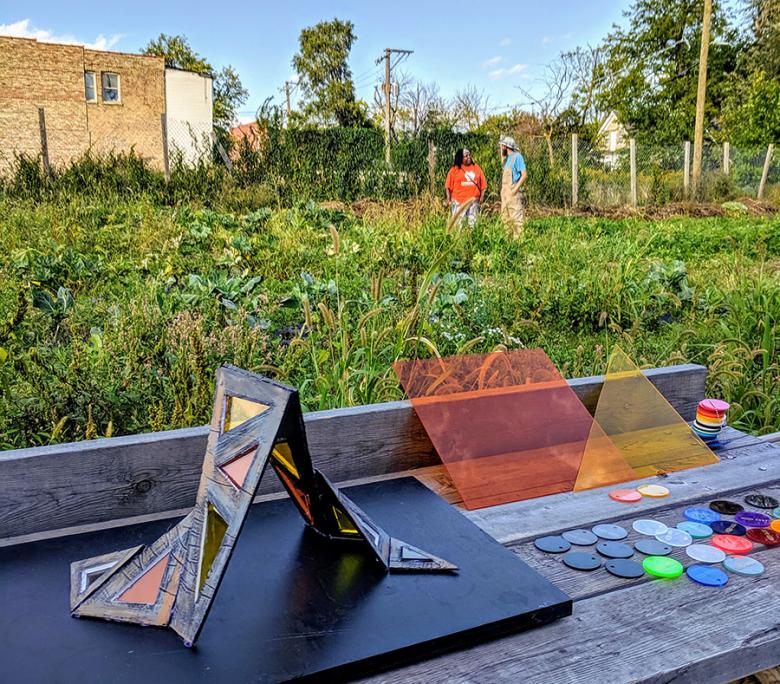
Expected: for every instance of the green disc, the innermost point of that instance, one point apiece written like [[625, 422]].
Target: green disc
[[662, 566]]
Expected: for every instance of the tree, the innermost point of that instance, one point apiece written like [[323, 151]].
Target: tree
[[469, 107], [422, 108], [229, 93], [324, 75], [651, 68]]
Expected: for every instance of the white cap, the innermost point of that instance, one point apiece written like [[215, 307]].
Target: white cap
[[507, 141]]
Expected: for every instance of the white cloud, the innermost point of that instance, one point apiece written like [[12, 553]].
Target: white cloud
[[546, 40], [504, 42], [491, 62], [25, 29], [515, 70]]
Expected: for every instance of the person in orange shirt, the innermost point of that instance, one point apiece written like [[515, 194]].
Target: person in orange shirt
[[465, 181]]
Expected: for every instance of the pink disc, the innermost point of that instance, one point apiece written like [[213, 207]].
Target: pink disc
[[625, 495], [717, 405]]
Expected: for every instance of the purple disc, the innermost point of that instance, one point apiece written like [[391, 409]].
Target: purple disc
[[752, 519]]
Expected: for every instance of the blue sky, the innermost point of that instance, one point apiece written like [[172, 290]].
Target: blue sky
[[495, 46]]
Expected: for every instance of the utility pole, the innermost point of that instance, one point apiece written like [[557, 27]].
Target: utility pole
[[287, 96], [701, 98], [386, 89]]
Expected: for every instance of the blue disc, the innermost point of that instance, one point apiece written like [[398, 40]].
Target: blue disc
[[695, 529], [701, 515], [707, 575], [728, 527]]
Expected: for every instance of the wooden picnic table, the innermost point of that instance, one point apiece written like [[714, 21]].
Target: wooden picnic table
[[621, 630]]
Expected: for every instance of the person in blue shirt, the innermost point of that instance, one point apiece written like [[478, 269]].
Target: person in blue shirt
[[513, 178]]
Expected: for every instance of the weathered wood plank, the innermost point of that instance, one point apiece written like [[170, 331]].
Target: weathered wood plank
[[755, 465], [659, 631], [72, 484]]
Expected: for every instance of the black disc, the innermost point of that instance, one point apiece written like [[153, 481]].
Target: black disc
[[726, 507], [580, 537], [627, 569], [580, 560], [727, 527], [652, 547], [761, 501], [552, 544], [612, 549]]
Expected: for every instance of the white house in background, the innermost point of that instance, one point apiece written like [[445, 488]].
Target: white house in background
[[613, 138], [188, 114]]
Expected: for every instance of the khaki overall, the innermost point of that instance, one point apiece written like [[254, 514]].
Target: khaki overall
[[511, 204]]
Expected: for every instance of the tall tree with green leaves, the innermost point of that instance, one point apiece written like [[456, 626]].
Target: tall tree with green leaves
[[229, 93], [651, 68], [324, 76]]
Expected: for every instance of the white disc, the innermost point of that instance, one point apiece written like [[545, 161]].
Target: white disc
[[649, 527], [704, 553], [675, 537]]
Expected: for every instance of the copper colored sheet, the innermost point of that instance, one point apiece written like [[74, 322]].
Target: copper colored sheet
[[237, 469], [651, 436], [146, 588], [506, 425]]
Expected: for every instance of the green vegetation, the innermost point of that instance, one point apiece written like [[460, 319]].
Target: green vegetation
[[114, 313]]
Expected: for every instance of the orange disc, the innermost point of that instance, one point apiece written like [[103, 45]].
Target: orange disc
[[736, 546], [775, 525]]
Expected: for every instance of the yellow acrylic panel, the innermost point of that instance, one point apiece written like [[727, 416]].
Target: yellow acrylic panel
[[650, 436], [346, 526], [238, 411], [214, 529], [283, 454]]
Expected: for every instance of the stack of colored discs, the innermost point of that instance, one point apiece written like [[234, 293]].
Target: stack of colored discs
[[711, 416]]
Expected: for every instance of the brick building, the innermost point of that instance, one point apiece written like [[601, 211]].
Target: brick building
[[92, 101]]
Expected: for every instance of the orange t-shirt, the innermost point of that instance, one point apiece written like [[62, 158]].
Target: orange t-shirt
[[465, 182]]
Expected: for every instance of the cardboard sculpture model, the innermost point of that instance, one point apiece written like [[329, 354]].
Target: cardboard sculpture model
[[174, 580], [508, 426]]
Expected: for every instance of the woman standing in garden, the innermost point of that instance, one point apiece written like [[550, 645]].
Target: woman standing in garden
[[465, 181]]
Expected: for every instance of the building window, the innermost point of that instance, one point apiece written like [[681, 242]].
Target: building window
[[110, 87], [613, 141], [90, 92]]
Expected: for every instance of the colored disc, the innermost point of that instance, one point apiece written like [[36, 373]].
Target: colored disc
[[610, 532], [775, 525], [743, 565], [625, 495], [662, 566], [707, 575], [704, 553], [580, 537], [701, 515], [579, 560], [715, 405], [627, 569], [695, 529], [736, 546], [675, 537], [612, 549], [727, 527], [649, 527], [654, 491], [552, 544], [753, 519], [761, 501], [726, 507], [776, 512], [764, 535], [652, 547]]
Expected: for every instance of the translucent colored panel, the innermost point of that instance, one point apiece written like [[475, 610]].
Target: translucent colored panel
[[506, 425], [214, 528], [302, 499], [239, 411], [147, 587], [346, 526], [649, 434], [90, 575], [237, 469], [283, 454]]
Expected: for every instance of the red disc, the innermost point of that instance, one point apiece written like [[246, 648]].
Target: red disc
[[625, 495], [764, 535], [715, 405], [730, 543]]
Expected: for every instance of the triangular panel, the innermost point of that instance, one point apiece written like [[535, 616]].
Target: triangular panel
[[239, 410], [237, 469], [146, 588]]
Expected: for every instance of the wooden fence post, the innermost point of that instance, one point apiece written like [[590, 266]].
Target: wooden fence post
[[575, 178], [166, 162], [726, 158], [432, 167], [765, 172], [687, 170], [44, 142], [632, 158], [222, 153]]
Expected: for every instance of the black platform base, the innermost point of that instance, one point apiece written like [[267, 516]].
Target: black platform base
[[291, 604]]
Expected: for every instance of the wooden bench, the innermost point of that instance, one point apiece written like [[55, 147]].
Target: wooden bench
[[621, 630]]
